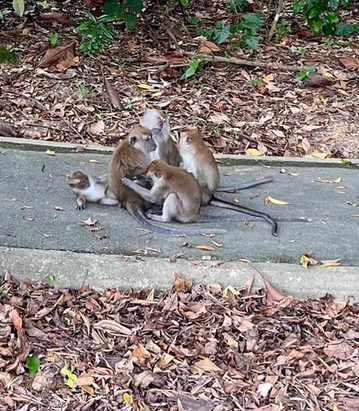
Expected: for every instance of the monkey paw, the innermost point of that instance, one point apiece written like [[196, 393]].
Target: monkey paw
[[81, 207]]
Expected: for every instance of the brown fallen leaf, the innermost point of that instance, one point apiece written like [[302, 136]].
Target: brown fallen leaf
[[96, 128], [16, 319], [57, 55], [205, 247], [8, 130], [206, 365], [338, 349], [58, 17], [274, 296], [140, 355], [208, 47], [181, 284], [349, 62], [112, 94], [317, 81], [165, 360], [89, 222]]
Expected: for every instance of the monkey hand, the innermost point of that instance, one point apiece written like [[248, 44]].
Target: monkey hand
[[80, 207], [127, 182]]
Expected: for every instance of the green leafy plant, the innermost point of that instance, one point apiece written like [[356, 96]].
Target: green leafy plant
[[7, 56], [192, 68], [126, 10], [250, 24], [96, 32], [19, 7], [302, 51], [70, 377], [2, 17], [82, 91], [282, 29], [323, 16], [54, 37], [221, 32], [33, 364], [238, 5], [306, 73]]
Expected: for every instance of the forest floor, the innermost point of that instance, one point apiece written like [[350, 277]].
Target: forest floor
[[236, 107], [198, 348]]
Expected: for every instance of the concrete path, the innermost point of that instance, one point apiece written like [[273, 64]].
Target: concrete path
[[38, 210]]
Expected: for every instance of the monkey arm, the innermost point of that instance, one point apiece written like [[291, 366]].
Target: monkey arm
[[101, 179], [143, 192]]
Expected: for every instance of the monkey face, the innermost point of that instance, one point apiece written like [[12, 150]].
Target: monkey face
[[142, 140], [185, 143], [78, 179], [155, 170]]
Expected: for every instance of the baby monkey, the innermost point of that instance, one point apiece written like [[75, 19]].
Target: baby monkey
[[90, 189]]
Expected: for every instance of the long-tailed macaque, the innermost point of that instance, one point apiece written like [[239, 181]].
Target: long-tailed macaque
[[177, 187], [129, 159], [198, 159], [159, 124], [167, 150], [89, 189]]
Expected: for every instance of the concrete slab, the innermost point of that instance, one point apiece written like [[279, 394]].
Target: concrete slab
[[37, 180], [108, 271]]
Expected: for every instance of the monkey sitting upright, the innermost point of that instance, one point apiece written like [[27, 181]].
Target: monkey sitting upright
[[167, 150], [90, 189], [199, 160], [159, 124]]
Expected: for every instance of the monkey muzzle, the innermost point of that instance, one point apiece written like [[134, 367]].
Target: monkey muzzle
[[151, 145]]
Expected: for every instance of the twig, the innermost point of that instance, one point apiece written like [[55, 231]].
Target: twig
[[72, 127], [206, 58], [45, 126], [276, 19]]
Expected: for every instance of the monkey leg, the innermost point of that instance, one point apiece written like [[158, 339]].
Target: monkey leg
[[109, 201], [170, 210]]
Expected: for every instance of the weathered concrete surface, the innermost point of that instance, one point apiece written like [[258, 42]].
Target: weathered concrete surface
[[33, 179], [107, 271], [38, 180]]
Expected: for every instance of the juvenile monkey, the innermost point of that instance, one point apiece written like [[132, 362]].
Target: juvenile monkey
[[177, 187], [198, 159], [159, 124], [89, 189], [131, 158]]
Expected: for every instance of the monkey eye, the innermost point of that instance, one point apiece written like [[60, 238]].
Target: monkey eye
[[132, 140], [149, 138], [188, 140]]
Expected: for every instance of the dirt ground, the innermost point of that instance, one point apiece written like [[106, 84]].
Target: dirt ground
[[236, 107]]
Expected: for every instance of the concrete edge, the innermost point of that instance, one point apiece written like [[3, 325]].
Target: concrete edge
[[99, 272], [230, 159]]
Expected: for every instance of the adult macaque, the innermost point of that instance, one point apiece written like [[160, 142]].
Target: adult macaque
[[159, 124], [198, 160], [90, 189], [131, 158]]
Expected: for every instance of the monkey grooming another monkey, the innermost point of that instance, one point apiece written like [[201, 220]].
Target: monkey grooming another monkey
[[159, 124], [198, 159], [129, 159], [177, 187], [167, 150], [90, 189]]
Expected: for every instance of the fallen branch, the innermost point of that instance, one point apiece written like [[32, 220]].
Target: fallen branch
[[206, 58]]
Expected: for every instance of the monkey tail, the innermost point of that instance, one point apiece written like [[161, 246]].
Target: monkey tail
[[137, 212], [235, 207], [243, 186]]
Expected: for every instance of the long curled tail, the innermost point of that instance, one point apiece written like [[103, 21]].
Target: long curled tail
[[243, 186], [235, 207], [137, 212]]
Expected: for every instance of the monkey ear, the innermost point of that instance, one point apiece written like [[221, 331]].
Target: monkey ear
[[132, 140], [158, 174]]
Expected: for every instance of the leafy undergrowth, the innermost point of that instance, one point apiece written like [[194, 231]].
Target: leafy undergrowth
[[58, 94], [197, 348]]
